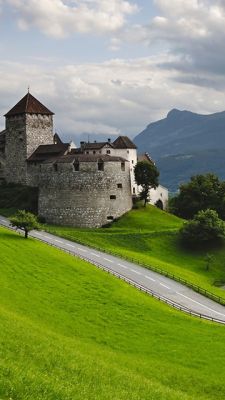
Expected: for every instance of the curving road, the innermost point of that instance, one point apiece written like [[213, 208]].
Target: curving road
[[156, 284]]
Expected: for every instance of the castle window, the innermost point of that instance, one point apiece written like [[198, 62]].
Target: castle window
[[108, 151], [76, 166], [134, 190], [119, 185], [55, 167], [127, 151], [94, 151], [110, 218], [113, 197], [87, 152], [132, 161], [123, 166], [101, 166], [100, 151]]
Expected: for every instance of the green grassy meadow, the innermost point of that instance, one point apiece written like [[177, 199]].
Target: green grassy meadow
[[70, 331], [150, 236]]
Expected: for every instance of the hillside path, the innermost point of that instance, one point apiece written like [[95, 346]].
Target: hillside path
[[160, 285]]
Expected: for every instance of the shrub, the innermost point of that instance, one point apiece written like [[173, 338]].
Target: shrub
[[205, 227]]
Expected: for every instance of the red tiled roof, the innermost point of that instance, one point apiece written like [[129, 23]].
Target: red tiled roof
[[123, 142], [46, 151], [29, 105], [96, 145], [145, 157]]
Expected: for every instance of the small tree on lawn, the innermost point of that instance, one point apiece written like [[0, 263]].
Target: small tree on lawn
[[25, 221], [206, 227], [146, 175]]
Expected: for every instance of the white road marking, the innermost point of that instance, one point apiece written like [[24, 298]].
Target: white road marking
[[39, 234], [70, 245], [96, 255], [162, 284], [136, 272], [79, 248], [107, 259], [3, 220], [46, 237], [123, 266], [200, 304], [148, 277], [56, 240]]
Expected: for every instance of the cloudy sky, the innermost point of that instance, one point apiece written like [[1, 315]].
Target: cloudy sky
[[112, 66]]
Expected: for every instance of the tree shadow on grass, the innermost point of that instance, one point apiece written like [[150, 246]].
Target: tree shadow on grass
[[11, 235], [198, 248]]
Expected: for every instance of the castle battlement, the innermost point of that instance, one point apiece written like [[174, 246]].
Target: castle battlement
[[87, 186]]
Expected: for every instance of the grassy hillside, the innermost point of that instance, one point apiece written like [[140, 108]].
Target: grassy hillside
[[149, 235], [69, 331]]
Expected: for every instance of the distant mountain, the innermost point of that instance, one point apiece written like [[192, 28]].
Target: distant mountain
[[184, 144]]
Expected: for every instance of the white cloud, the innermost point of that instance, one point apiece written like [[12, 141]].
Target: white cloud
[[192, 29], [117, 96], [60, 18]]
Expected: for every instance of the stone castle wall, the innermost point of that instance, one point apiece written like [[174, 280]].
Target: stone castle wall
[[24, 133], [84, 198], [2, 167]]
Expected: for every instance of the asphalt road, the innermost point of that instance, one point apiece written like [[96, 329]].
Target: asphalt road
[[159, 284]]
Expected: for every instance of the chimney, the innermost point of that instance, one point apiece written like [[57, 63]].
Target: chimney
[[109, 140], [82, 145]]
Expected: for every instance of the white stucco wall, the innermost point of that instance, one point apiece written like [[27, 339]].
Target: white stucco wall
[[160, 193], [131, 156]]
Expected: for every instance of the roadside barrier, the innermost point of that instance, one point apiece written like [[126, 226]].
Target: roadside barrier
[[142, 288], [176, 278]]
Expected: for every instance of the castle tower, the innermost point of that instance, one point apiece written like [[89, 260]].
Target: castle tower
[[28, 125]]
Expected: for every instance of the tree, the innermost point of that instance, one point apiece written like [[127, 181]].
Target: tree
[[201, 193], [146, 175], [25, 221], [206, 227], [209, 258]]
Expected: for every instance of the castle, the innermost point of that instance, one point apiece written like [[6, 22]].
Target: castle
[[87, 186]]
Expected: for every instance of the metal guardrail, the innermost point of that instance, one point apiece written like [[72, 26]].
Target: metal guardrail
[[142, 288], [176, 278], [150, 292]]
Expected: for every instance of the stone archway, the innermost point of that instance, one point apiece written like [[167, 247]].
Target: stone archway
[[159, 204]]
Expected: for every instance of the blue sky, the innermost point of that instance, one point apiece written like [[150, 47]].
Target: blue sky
[[111, 68]]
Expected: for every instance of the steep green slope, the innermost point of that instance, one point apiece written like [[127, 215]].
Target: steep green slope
[[149, 235], [69, 331]]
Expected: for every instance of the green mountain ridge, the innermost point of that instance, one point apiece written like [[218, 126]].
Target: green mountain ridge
[[184, 144]]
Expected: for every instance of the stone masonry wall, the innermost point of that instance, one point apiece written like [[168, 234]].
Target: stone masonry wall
[[39, 130], [2, 167], [24, 133], [82, 198]]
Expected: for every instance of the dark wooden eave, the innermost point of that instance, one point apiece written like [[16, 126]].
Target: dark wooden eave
[[29, 105], [123, 142], [48, 151]]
